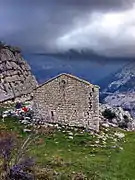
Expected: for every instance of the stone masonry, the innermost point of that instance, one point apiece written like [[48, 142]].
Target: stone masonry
[[68, 100], [16, 78]]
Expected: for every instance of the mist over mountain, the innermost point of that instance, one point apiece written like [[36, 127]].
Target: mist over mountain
[[91, 67]]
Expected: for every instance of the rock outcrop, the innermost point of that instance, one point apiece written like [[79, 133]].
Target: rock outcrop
[[120, 89], [116, 117], [16, 78]]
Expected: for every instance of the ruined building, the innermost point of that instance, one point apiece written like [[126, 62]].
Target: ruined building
[[16, 78], [68, 100]]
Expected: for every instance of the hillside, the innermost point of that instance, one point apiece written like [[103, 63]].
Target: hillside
[[16, 78], [65, 154]]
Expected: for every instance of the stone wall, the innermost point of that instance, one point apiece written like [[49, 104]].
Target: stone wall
[[68, 100], [15, 74]]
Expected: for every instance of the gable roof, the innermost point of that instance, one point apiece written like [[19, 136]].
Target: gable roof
[[71, 76]]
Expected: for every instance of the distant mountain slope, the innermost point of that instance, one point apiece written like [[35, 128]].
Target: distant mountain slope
[[122, 87], [121, 81], [90, 67]]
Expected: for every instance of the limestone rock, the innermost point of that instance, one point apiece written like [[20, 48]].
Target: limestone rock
[[16, 78], [122, 118]]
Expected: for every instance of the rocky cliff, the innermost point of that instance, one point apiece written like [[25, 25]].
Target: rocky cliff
[[16, 78], [120, 90]]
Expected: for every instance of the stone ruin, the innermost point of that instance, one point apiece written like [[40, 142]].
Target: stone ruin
[[16, 78], [67, 100]]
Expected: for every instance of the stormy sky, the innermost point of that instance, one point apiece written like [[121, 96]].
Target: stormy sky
[[106, 27]]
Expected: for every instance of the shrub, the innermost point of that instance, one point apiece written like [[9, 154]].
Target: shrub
[[126, 118], [14, 164], [123, 125], [108, 114]]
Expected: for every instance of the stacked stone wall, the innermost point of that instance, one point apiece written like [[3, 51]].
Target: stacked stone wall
[[66, 100], [16, 78]]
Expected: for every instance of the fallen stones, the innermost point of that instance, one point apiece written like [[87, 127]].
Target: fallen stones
[[71, 137], [25, 122], [105, 125], [26, 130], [119, 135], [115, 117]]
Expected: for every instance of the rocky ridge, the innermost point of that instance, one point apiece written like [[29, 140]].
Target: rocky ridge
[[16, 78], [120, 90]]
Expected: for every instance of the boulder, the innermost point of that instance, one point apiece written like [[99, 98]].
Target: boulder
[[116, 117]]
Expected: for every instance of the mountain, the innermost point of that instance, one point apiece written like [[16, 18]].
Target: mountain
[[83, 54], [119, 88], [91, 68], [16, 78]]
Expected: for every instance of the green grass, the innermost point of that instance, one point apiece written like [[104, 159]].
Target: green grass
[[107, 161], [13, 125]]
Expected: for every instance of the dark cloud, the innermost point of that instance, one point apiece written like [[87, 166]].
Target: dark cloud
[[97, 4], [82, 3], [59, 25]]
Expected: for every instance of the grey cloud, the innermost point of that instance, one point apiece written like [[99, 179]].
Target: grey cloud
[[37, 25], [92, 3], [98, 4]]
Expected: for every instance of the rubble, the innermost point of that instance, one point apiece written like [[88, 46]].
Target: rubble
[[118, 117]]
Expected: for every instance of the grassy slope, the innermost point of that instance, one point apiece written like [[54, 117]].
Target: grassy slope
[[78, 154]]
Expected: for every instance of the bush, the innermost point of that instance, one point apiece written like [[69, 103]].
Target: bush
[[14, 164], [123, 125], [126, 118], [108, 114]]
